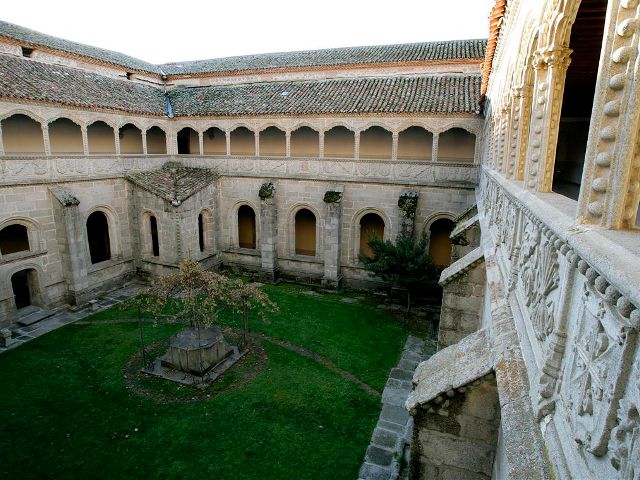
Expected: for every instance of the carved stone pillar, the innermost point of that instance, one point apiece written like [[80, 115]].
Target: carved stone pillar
[[502, 139], [610, 188], [287, 146], [522, 117], [434, 147], [550, 66], [321, 144], [268, 233], [256, 136], [356, 145], [85, 140], [394, 146], [333, 237], [227, 138], [408, 204], [116, 136], [144, 142], [74, 254], [45, 139], [201, 143]]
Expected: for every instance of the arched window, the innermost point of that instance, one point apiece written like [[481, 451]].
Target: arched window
[[339, 143], [25, 288], [246, 227], [305, 142], [65, 136], [273, 142], [214, 142], [579, 89], [415, 143], [201, 232], [156, 141], [456, 145], [371, 225], [375, 142], [130, 139], [243, 142], [188, 142], [305, 232], [101, 138], [22, 134], [155, 243], [440, 243], [98, 237], [13, 239]]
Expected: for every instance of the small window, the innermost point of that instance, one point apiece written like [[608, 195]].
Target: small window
[[201, 232], [13, 239], [128, 75], [155, 244], [26, 52]]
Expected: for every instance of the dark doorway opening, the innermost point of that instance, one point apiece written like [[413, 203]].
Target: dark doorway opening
[[98, 236], [21, 289]]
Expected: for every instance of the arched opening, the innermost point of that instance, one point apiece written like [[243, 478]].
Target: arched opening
[[243, 142], [214, 142], [22, 134], [101, 138], [456, 145], [156, 141], [415, 143], [246, 227], [339, 143], [188, 142], [305, 232], [371, 225], [201, 232], [13, 239], [130, 139], [375, 142], [273, 142], [98, 237], [155, 243], [305, 142], [65, 136], [580, 86], [439, 242], [25, 288]]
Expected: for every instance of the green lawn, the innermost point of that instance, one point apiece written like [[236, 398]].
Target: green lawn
[[66, 413]]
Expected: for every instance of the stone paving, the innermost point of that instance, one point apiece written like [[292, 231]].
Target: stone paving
[[389, 447], [65, 315]]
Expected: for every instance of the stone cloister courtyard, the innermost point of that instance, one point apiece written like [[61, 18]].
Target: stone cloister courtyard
[[302, 402]]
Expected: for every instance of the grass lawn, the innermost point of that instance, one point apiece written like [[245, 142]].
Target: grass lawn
[[66, 413]]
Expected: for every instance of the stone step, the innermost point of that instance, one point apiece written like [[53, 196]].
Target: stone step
[[32, 314]]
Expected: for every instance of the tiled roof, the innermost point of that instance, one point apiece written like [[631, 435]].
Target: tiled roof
[[495, 24], [31, 38], [27, 79], [425, 94], [408, 52], [173, 182]]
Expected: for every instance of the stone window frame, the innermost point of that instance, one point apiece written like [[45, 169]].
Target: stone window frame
[[355, 229], [114, 236], [208, 231], [291, 232], [235, 238], [145, 228], [34, 234]]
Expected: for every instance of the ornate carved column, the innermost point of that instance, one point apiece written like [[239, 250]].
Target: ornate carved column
[[256, 136], [502, 139], [227, 138], [321, 144], [394, 145], [85, 140], [268, 233], [550, 66], [144, 141], [610, 188], [522, 113], [45, 139], [116, 137], [434, 147], [287, 145], [333, 237], [201, 143], [356, 145]]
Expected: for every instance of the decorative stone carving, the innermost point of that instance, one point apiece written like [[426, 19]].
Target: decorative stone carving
[[625, 442], [267, 190]]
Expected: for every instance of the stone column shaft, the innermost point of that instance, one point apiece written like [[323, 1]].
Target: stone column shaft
[[227, 138], [268, 239], [321, 144], [434, 147], [256, 136], [45, 139], [287, 144], [332, 244], [85, 140]]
